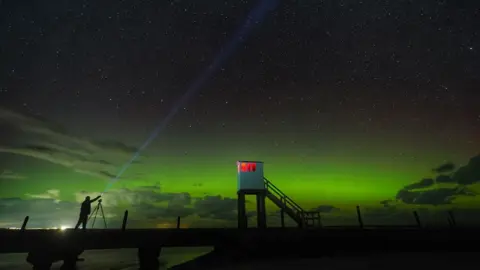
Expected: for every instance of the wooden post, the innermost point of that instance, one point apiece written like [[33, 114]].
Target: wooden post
[[124, 223], [450, 223], [359, 215], [178, 222], [25, 221], [242, 211], [417, 219], [452, 218], [261, 211]]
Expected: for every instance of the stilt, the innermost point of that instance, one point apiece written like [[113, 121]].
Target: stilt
[[261, 211], [242, 215]]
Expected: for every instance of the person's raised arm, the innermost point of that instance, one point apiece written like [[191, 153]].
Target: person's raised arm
[[96, 198]]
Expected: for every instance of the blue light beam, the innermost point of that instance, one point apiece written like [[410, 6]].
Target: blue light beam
[[255, 17]]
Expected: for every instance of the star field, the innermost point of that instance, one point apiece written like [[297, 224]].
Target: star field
[[347, 102]]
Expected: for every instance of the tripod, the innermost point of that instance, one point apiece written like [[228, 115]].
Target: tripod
[[95, 212]]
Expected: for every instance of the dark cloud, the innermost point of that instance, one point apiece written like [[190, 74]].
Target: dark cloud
[[216, 207], [325, 208], [387, 203], [162, 213], [34, 137], [444, 168], [470, 173], [431, 195], [373, 216], [444, 179], [465, 175], [424, 183], [437, 196]]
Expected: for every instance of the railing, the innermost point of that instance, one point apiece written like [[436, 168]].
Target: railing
[[312, 218], [284, 198]]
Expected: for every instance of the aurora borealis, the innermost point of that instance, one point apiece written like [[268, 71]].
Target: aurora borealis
[[347, 103]]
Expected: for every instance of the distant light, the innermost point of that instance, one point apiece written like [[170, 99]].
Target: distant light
[[63, 228]]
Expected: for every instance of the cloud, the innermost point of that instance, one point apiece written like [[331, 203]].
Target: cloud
[[125, 196], [147, 207], [441, 179], [433, 197], [43, 212], [50, 194], [326, 208], [151, 203], [465, 175], [424, 183], [390, 216], [444, 168], [387, 203], [146, 202], [216, 207], [38, 138], [116, 146], [470, 173], [7, 174], [430, 191]]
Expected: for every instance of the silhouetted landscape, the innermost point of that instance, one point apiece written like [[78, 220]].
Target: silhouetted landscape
[[126, 260], [249, 134]]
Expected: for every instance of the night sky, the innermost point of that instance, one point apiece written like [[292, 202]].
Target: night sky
[[347, 103]]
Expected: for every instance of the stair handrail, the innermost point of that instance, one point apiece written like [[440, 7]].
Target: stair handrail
[[283, 195], [287, 199], [289, 204]]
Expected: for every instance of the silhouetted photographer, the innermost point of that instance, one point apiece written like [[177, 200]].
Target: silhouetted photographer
[[85, 211]]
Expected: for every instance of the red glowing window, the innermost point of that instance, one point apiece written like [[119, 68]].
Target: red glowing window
[[247, 167]]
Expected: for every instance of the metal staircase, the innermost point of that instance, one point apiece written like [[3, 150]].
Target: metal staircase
[[302, 217]]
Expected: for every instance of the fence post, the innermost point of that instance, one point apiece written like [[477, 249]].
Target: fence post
[[417, 219], [450, 223], [25, 221], [359, 215], [124, 223], [452, 218], [178, 222]]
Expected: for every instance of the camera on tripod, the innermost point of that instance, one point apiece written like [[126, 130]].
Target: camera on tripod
[[95, 213]]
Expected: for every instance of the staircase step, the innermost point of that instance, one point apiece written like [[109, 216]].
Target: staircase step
[[307, 219]]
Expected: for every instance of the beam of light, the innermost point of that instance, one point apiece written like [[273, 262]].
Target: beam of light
[[255, 17]]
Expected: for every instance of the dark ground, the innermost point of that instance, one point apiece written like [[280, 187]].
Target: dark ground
[[125, 259]]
